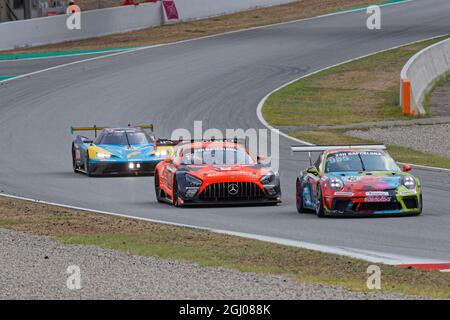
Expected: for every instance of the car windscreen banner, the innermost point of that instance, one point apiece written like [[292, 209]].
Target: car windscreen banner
[[170, 10]]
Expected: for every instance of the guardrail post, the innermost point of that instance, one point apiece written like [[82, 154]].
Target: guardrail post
[[406, 97]]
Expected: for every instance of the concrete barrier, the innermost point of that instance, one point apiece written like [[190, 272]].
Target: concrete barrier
[[421, 71], [40, 31]]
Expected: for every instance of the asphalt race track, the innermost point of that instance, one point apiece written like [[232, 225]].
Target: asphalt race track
[[219, 79]]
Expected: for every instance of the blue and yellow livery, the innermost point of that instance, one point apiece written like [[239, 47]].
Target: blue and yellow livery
[[119, 151]]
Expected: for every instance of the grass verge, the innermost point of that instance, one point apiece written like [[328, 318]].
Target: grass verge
[[211, 249], [401, 154], [193, 29], [365, 90], [360, 91], [442, 80]]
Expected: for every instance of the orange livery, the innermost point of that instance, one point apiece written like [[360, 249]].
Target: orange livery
[[215, 172]]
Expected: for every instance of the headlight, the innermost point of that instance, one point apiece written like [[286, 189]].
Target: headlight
[[336, 184], [409, 182], [162, 153], [101, 155], [268, 178], [193, 181]]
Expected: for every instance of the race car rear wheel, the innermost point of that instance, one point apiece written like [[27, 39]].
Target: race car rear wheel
[[175, 196], [74, 161], [299, 197], [158, 188], [320, 212]]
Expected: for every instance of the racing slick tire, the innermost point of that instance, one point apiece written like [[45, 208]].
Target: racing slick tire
[[74, 163], [88, 168], [421, 206], [320, 212], [158, 188], [298, 197], [175, 197]]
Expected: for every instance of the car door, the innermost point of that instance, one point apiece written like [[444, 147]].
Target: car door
[[312, 182]]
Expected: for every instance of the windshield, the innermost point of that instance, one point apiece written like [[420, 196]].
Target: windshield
[[216, 155], [124, 138], [360, 161]]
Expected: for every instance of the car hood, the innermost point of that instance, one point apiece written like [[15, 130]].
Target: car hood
[[366, 181], [231, 173], [135, 152]]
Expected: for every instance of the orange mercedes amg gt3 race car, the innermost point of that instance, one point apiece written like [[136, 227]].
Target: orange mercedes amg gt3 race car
[[215, 172]]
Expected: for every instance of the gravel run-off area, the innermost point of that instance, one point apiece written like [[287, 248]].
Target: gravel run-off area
[[427, 138], [34, 267]]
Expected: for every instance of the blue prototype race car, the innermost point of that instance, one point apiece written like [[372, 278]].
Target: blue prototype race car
[[119, 151]]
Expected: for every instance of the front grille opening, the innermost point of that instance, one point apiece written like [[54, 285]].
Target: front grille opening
[[411, 202], [341, 204], [226, 191], [379, 206]]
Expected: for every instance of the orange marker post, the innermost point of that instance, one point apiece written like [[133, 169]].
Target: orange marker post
[[406, 97]]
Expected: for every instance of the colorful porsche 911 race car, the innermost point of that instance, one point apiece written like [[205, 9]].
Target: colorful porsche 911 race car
[[119, 151], [356, 180], [215, 172]]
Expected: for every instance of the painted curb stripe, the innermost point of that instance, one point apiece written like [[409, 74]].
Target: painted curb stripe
[[429, 266], [57, 54], [2, 78]]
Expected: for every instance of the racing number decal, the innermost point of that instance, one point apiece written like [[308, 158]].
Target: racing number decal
[[77, 155]]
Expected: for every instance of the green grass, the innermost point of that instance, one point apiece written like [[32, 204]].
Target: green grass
[[360, 91], [436, 84], [212, 249], [256, 256], [401, 154], [5, 222], [365, 90]]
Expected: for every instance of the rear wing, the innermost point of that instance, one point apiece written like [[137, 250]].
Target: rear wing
[[242, 142], [337, 147], [162, 142], [96, 128], [314, 148]]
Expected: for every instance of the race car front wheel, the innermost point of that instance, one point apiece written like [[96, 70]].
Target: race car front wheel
[[157, 188], [74, 161], [175, 196], [320, 212], [299, 197]]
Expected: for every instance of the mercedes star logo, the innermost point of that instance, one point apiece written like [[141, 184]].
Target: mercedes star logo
[[233, 189]]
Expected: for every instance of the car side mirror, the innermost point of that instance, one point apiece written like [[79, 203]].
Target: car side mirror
[[261, 158], [406, 168], [312, 170]]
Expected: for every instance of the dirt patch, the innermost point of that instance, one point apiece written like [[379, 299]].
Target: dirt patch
[[98, 4], [440, 100], [210, 249], [363, 80], [188, 30], [43, 219]]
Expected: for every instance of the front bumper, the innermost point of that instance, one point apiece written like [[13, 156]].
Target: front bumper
[[123, 168], [359, 206], [251, 194]]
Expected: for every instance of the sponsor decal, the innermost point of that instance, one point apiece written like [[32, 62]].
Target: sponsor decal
[[219, 174], [377, 199], [170, 9], [409, 192], [377, 193], [353, 179], [341, 193]]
